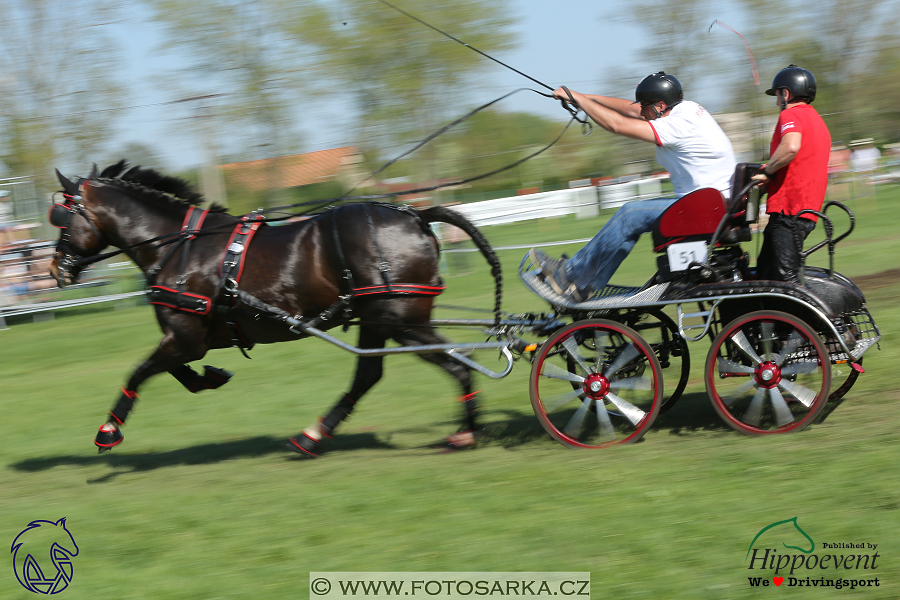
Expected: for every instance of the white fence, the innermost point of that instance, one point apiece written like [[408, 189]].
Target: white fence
[[584, 202]]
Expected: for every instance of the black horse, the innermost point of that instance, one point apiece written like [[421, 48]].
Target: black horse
[[219, 281]]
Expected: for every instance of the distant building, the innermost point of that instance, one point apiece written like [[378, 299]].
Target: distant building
[[336, 164]]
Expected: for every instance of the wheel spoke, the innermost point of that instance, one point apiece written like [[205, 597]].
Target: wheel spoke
[[561, 400], [607, 433], [783, 414], [801, 368], [805, 395], [743, 344], [729, 367], [631, 383], [737, 392], [627, 354], [571, 347], [768, 330], [554, 372], [792, 343], [573, 427], [631, 412], [600, 339], [753, 414]]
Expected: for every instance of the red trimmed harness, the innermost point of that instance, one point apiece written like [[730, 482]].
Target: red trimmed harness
[[400, 288], [177, 298], [232, 265]]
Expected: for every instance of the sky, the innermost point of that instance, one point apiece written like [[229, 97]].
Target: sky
[[577, 43]]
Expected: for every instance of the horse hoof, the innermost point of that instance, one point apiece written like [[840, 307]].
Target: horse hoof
[[214, 377], [107, 438], [303, 445], [462, 440]]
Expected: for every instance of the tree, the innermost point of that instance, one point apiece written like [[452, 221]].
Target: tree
[[239, 52], [678, 40], [849, 45], [58, 83], [405, 80]]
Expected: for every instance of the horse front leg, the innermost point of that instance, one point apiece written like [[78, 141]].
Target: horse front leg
[[369, 370], [212, 378], [169, 356]]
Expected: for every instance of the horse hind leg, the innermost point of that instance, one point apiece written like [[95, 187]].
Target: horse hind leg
[[369, 370], [469, 431]]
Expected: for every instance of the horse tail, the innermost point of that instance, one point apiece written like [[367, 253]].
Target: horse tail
[[440, 214]]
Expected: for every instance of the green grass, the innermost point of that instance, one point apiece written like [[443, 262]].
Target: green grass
[[202, 501]]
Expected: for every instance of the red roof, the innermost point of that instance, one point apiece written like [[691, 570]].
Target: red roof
[[292, 171]]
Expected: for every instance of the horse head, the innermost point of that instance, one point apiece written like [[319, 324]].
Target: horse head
[[80, 238]]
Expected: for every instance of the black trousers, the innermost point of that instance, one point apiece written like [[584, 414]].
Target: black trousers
[[779, 258]]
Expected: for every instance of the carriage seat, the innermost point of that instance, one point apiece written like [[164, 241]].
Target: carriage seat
[[696, 216]]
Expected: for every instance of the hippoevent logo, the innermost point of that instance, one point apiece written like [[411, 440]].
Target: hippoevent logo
[[770, 556], [42, 556]]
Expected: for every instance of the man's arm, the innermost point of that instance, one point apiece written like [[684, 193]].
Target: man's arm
[[624, 107], [786, 151], [611, 119]]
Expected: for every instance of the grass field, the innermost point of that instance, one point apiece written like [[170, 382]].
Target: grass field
[[202, 501]]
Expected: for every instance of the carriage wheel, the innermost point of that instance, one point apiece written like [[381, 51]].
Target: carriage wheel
[[768, 372], [595, 384], [672, 351]]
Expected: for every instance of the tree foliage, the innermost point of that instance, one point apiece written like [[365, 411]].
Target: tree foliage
[[58, 84], [402, 77], [239, 51]]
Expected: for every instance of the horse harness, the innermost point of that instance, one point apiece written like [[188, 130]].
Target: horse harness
[[232, 264]]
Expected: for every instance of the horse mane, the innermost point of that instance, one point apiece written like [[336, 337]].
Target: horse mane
[[153, 185]]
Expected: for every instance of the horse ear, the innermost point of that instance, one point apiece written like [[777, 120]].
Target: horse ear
[[95, 172], [69, 187]]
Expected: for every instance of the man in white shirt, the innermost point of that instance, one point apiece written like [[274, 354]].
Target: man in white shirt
[[690, 145]]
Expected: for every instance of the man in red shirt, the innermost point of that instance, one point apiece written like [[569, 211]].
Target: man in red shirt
[[796, 175]]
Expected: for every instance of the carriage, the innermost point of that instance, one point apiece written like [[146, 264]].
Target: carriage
[[781, 353]]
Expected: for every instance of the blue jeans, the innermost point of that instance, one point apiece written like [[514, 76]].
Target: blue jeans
[[592, 267]]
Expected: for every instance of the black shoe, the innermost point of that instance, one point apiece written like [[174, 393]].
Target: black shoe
[[560, 284], [544, 263]]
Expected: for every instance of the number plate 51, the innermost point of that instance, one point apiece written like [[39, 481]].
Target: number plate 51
[[682, 255]]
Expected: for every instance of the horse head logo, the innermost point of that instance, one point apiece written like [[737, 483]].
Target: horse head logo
[[52, 544], [787, 532]]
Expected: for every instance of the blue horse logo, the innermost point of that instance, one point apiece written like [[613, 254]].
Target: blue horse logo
[[784, 532], [44, 539]]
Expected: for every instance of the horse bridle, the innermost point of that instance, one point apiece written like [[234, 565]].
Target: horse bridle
[[60, 216]]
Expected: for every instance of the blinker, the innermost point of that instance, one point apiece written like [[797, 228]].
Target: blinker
[[60, 215]]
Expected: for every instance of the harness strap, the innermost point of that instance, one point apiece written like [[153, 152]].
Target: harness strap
[[230, 270], [383, 266], [232, 264], [347, 278], [403, 289], [179, 300], [191, 225]]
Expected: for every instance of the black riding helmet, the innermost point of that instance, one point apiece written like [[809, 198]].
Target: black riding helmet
[[799, 81], [659, 86]]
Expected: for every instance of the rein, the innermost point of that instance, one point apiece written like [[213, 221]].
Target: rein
[[318, 204]]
